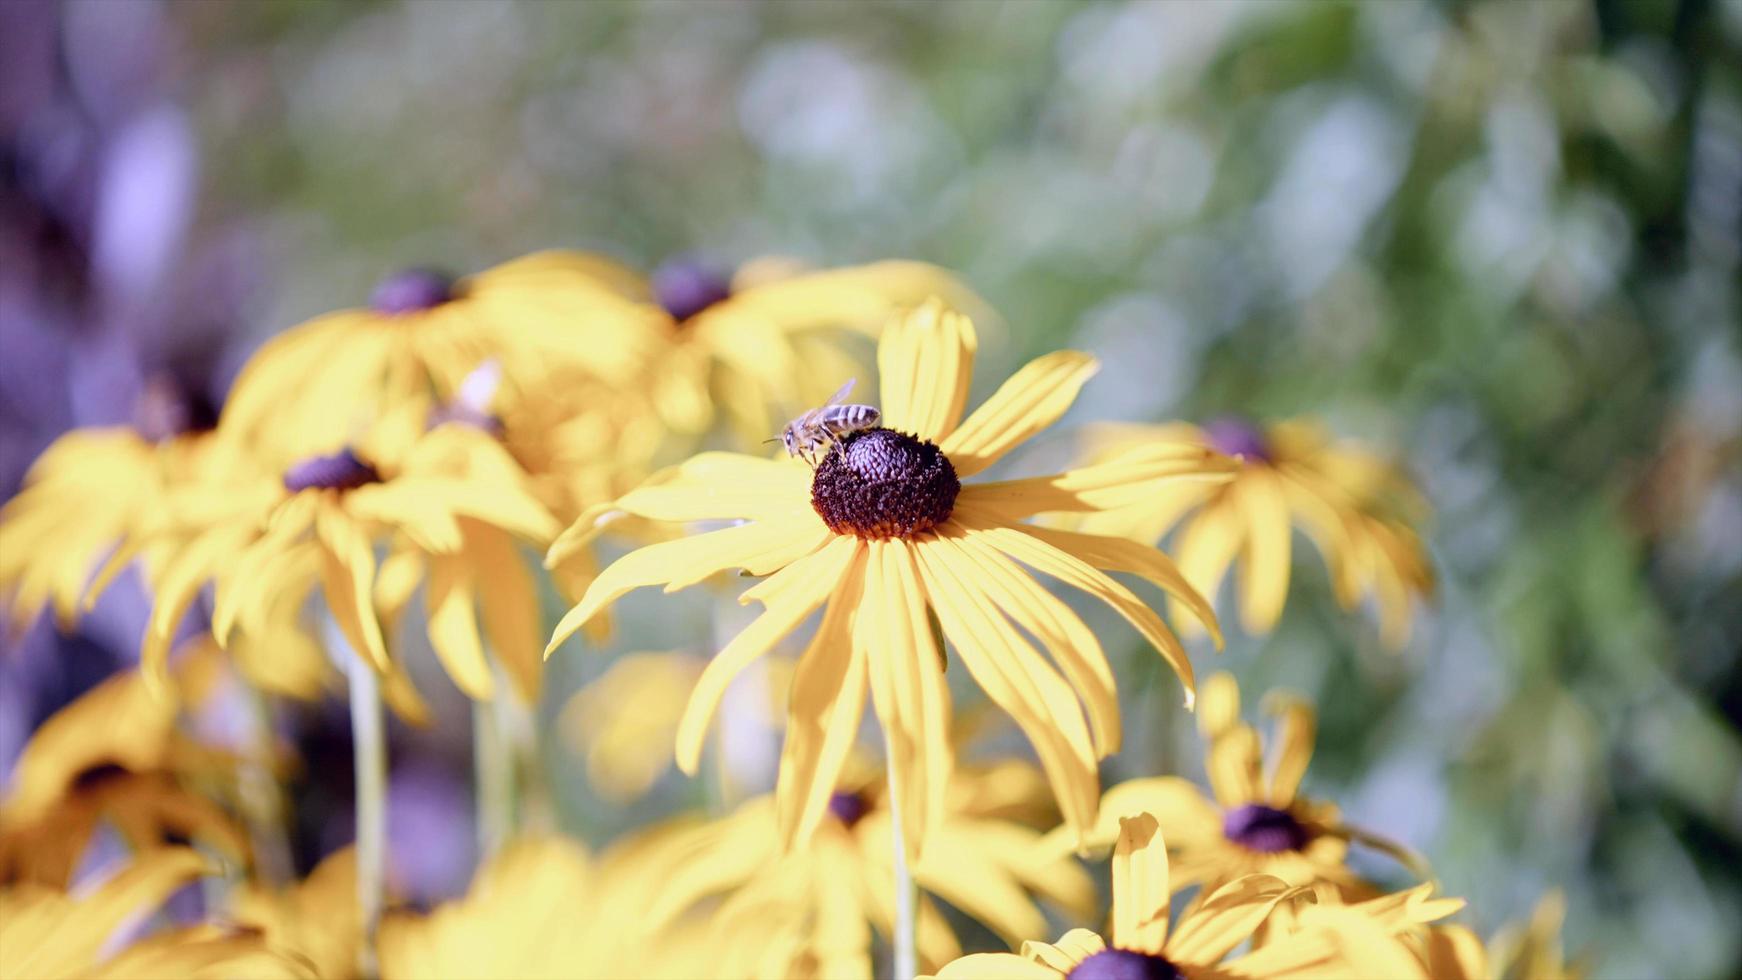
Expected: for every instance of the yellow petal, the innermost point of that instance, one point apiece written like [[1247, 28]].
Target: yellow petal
[[1234, 766], [176, 589], [1456, 953], [826, 703], [1031, 400], [1059, 631], [1297, 728], [509, 597], [959, 869], [1017, 680], [996, 966], [1025, 548], [1207, 547], [690, 560], [926, 363], [1264, 570], [807, 582], [1219, 708], [1140, 886], [921, 688], [348, 578], [1225, 919], [453, 628], [1118, 555], [1096, 488]]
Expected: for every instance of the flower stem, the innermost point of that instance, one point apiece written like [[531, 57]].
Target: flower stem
[[369, 750], [903, 955], [262, 801], [493, 767]]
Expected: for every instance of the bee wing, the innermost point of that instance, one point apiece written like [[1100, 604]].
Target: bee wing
[[840, 396]]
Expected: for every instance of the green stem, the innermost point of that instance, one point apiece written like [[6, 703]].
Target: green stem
[[903, 950], [369, 750], [493, 767], [262, 801]]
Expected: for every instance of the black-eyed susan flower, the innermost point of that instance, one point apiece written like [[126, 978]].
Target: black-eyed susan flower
[[116, 759], [830, 894], [1145, 945], [88, 491], [1257, 820], [322, 383], [448, 514], [1358, 509], [764, 340], [52, 934], [884, 534]]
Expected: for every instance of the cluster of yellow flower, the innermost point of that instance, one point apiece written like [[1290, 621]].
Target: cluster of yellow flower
[[425, 442]]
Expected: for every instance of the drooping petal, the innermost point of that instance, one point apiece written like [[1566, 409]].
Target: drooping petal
[[1264, 568], [1140, 886], [176, 589], [1207, 546], [803, 585], [1059, 630], [1119, 555], [1017, 680], [825, 705], [1031, 400], [689, 560], [1073, 571], [925, 361], [348, 580], [509, 599], [453, 627], [1219, 707], [959, 870], [1235, 766]]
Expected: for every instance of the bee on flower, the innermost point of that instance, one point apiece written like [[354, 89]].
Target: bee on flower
[[1358, 510], [883, 533]]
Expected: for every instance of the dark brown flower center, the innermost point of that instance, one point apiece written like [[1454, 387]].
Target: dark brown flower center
[[342, 470], [1264, 829], [412, 291], [879, 484], [687, 286], [1124, 964], [1238, 437], [849, 808]]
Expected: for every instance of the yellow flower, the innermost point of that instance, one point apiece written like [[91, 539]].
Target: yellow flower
[[1531, 951], [266, 540], [315, 921], [114, 757], [87, 491], [1258, 821], [762, 344], [828, 895], [47, 933], [884, 533], [1143, 946], [1357, 509], [541, 908], [319, 385]]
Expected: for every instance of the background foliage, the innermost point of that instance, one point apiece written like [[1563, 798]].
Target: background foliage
[[1501, 238]]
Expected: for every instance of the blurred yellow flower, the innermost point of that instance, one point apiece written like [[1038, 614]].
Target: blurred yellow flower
[[1521, 951], [1357, 508], [761, 345], [883, 533], [86, 492], [266, 539], [112, 758], [541, 908], [830, 893], [320, 385], [47, 933], [1143, 946], [1258, 821], [314, 921]]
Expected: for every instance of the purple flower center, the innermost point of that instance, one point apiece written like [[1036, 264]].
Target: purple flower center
[[342, 470], [1264, 829], [849, 808], [412, 291], [1234, 436], [1124, 964], [879, 483], [687, 286]]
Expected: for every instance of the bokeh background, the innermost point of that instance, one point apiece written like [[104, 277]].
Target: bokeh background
[[1500, 239]]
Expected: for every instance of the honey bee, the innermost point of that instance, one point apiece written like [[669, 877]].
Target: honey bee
[[822, 428]]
